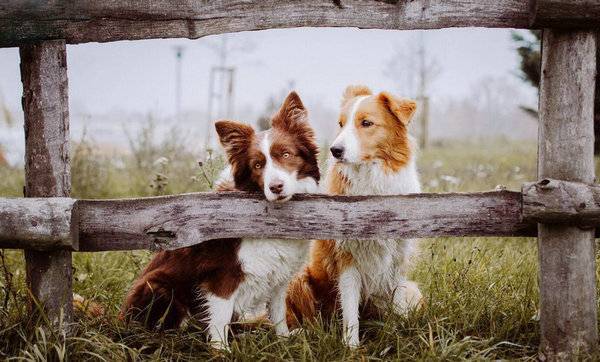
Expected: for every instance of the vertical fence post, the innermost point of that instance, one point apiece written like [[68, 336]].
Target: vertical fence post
[[566, 152], [597, 98], [47, 167]]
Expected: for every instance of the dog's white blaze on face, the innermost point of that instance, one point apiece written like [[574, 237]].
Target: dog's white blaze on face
[[272, 174], [348, 137]]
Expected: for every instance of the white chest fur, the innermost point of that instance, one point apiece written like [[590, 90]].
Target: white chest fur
[[373, 179], [267, 265], [381, 263]]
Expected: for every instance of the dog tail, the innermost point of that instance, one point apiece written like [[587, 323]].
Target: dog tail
[[301, 301], [314, 290]]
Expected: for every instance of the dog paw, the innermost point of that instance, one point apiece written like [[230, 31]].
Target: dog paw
[[282, 332], [351, 339]]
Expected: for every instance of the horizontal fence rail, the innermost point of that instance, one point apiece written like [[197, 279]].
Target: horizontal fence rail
[[564, 13], [170, 222], [176, 221], [113, 20]]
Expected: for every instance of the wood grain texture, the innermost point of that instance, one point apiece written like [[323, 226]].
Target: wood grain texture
[[47, 168], [38, 224], [597, 100], [176, 221], [565, 151], [112, 20], [183, 220], [561, 202], [565, 13], [46, 108]]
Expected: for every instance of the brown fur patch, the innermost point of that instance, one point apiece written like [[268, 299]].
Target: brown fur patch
[[292, 133], [315, 289], [238, 140], [169, 288], [387, 139], [404, 109], [337, 183]]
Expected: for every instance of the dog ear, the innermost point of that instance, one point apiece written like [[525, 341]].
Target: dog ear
[[236, 139], [234, 136], [403, 109], [292, 118], [291, 114], [353, 91]]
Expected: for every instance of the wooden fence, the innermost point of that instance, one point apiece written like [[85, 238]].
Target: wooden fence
[[50, 226]]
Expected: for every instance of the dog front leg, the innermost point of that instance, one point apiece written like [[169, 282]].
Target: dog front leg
[[277, 310], [350, 289], [220, 312]]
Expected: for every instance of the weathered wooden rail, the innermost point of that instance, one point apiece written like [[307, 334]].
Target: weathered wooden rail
[[176, 221], [112, 20], [566, 206]]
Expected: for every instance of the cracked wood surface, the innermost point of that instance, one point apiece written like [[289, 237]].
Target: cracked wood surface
[[112, 20]]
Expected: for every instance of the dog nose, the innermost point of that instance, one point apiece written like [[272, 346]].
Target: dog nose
[[337, 151], [276, 187]]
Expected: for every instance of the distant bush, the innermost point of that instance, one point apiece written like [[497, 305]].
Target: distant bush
[[12, 180], [151, 168]]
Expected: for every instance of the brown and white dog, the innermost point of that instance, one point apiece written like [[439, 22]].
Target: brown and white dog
[[372, 154], [218, 278]]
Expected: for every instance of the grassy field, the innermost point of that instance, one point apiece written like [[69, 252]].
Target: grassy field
[[481, 292]]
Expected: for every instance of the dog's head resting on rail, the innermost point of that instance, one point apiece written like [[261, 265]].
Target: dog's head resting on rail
[[280, 161], [373, 128]]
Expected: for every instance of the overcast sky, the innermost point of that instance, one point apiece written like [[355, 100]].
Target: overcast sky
[[139, 76]]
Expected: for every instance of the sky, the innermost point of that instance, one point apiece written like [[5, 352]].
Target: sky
[[139, 76]]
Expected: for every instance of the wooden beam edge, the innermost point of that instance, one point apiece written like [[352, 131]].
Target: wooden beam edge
[[43, 224], [551, 201]]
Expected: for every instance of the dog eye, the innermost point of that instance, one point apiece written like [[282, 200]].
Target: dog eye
[[286, 155], [340, 123], [257, 166], [366, 123]]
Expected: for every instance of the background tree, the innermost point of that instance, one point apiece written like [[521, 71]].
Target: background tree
[[530, 68], [414, 76]]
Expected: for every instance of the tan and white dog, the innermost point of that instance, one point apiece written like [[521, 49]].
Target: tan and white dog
[[372, 155]]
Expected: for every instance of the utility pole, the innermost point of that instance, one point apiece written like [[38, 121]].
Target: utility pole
[[178, 55], [221, 85]]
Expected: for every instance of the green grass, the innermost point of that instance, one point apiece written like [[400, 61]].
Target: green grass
[[481, 292]]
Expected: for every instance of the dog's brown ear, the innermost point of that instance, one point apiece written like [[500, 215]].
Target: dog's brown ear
[[292, 118], [234, 136], [291, 113], [353, 91], [403, 109]]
